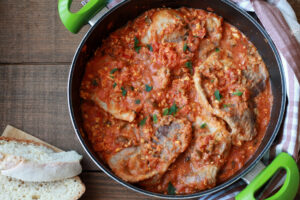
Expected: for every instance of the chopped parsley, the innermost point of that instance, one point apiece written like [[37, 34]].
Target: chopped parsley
[[217, 50], [114, 85], [150, 47], [189, 65], [124, 92], [212, 80], [218, 96], [94, 82], [148, 88], [171, 111], [185, 47], [154, 118], [136, 45], [137, 101], [111, 76], [203, 125], [166, 111], [171, 189], [143, 121], [113, 70], [238, 93]]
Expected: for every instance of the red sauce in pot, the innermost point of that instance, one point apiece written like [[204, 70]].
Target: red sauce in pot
[[176, 101]]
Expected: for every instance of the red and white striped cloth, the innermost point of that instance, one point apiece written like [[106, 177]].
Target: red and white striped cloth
[[279, 20]]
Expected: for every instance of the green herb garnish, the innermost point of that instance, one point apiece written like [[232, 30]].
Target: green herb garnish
[[189, 65], [185, 47], [154, 118], [217, 49], [136, 41], [173, 109], [124, 92], [114, 85], [150, 47], [218, 96], [113, 70], [225, 105], [148, 88], [166, 111], [238, 93], [171, 189], [143, 121], [137, 101], [203, 125], [136, 45]]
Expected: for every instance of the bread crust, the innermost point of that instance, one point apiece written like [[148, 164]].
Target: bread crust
[[8, 139], [30, 142]]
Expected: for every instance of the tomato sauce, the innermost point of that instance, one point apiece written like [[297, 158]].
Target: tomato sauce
[[145, 71]]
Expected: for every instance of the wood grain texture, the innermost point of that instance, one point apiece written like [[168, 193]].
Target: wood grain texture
[[31, 31], [33, 98], [100, 186]]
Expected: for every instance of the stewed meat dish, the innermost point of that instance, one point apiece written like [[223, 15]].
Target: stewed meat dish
[[176, 101]]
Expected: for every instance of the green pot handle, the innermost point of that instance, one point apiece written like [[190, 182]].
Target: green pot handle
[[75, 21], [288, 190]]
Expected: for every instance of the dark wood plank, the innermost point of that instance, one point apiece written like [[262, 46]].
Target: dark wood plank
[[34, 98], [31, 31], [100, 186], [296, 6]]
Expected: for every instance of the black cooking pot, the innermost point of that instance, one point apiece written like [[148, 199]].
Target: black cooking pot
[[128, 10]]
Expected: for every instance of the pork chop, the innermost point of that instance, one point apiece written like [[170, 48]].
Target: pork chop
[[229, 100], [153, 157]]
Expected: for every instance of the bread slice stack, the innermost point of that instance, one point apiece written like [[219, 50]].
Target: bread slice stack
[[32, 170]]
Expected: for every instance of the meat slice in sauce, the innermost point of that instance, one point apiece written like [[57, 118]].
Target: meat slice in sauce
[[224, 91], [167, 25], [256, 72], [207, 152], [114, 109], [153, 157], [102, 90], [213, 24]]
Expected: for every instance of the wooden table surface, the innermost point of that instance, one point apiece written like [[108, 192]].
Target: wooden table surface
[[35, 55]]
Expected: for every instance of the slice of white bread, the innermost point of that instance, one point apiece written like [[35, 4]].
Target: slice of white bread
[[31, 161], [16, 151], [67, 189]]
